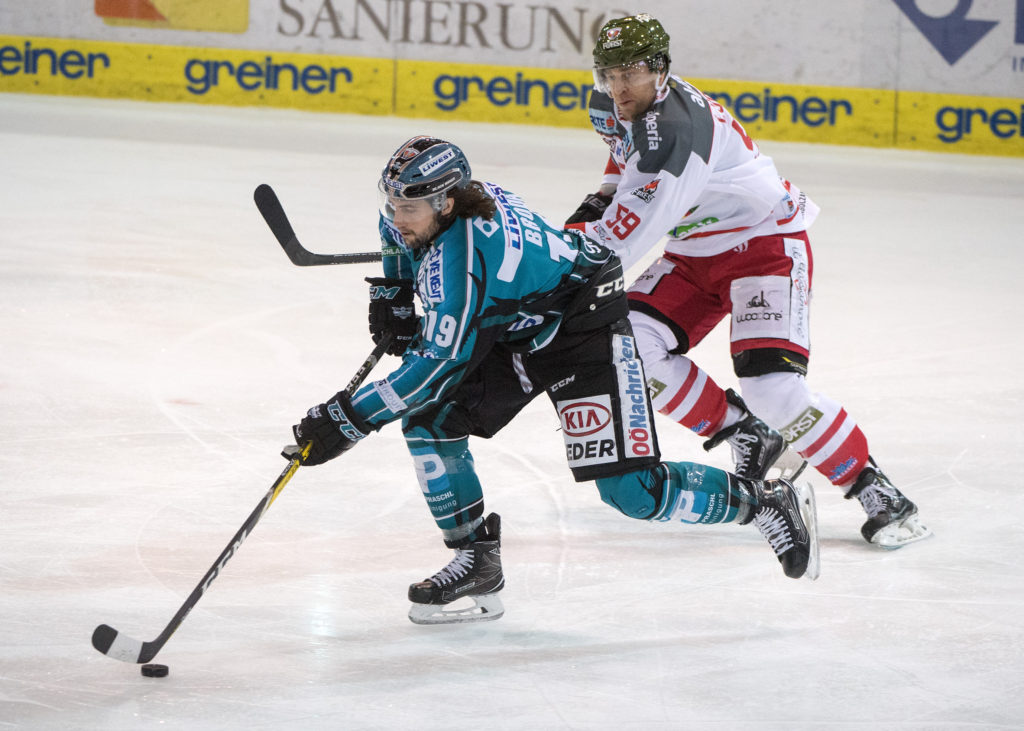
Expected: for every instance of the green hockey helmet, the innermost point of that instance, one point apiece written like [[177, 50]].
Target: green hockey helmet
[[624, 41]]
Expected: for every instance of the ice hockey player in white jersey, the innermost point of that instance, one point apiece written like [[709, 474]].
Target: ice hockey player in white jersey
[[737, 246]]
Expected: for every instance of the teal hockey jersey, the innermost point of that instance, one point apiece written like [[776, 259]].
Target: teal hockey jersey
[[481, 282]]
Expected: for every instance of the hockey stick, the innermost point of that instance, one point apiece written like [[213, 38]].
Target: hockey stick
[[119, 646], [273, 213]]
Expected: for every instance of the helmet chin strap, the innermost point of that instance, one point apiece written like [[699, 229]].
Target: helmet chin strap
[[662, 83]]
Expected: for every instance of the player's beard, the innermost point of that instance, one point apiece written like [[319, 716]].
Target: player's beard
[[424, 240]]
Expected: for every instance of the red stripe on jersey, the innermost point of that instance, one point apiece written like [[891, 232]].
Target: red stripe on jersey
[[843, 465], [788, 218], [612, 168], [683, 391], [703, 234], [829, 433], [738, 346], [707, 415]]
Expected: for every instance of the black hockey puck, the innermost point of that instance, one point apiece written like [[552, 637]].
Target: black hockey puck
[[155, 671]]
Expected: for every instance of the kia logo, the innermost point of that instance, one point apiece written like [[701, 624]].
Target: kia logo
[[583, 418]]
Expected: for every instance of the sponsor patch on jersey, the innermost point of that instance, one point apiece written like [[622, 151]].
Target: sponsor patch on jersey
[[635, 413], [513, 234], [588, 427], [430, 278], [801, 425], [603, 121], [646, 192], [655, 387], [800, 293], [651, 126], [760, 308], [389, 396]]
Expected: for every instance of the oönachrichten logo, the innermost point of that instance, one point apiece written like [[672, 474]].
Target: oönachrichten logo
[[222, 16]]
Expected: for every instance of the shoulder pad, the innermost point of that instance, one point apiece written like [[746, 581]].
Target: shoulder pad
[[677, 126]]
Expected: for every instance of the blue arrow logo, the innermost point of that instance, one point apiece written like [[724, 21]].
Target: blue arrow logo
[[952, 35]]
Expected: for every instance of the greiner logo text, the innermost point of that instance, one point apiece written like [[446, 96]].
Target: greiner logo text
[[249, 75], [812, 111], [70, 64], [956, 123], [451, 91]]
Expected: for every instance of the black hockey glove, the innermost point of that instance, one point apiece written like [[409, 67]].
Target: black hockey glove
[[393, 311], [332, 427], [591, 209]]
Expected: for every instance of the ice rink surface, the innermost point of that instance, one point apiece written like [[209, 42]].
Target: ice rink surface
[[157, 345]]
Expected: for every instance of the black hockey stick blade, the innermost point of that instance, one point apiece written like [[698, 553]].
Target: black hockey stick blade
[[120, 646], [273, 213]]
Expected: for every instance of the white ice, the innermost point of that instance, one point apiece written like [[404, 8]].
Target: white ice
[[157, 345]]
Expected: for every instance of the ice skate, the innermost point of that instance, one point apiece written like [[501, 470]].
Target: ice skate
[[787, 516], [474, 574], [756, 447], [892, 518]]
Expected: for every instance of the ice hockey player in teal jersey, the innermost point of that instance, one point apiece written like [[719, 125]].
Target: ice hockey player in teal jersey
[[512, 307]]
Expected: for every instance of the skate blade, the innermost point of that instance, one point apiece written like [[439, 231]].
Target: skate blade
[[897, 535], [485, 608], [788, 466], [809, 512]]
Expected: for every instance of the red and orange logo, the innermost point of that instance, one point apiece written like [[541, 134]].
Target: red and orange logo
[[223, 16]]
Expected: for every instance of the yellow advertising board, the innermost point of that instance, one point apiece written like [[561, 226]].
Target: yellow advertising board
[[198, 75], [798, 113], [492, 93], [953, 123], [478, 93]]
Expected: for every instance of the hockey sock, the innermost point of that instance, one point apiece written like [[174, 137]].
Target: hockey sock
[[683, 491], [447, 476]]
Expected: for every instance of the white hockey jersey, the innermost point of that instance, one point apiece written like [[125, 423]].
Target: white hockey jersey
[[689, 170]]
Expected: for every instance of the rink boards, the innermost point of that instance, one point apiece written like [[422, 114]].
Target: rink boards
[[445, 90]]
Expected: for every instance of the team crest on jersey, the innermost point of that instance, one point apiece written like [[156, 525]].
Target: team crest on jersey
[[430, 278], [646, 193]]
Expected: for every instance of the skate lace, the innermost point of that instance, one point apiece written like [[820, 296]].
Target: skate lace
[[774, 528], [876, 499], [459, 567], [742, 449]]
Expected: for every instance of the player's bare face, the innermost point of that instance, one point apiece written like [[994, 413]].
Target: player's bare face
[[632, 87], [417, 220]]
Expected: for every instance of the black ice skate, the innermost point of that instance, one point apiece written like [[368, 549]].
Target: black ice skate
[[787, 516], [756, 447], [892, 518], [474, 574]]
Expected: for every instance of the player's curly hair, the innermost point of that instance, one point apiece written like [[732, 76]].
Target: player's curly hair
[[472, 201]]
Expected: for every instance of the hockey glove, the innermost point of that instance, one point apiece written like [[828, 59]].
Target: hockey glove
[[393, 311], [591, 209], [333, 428]]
